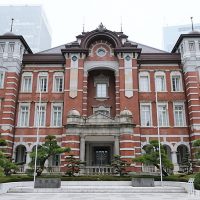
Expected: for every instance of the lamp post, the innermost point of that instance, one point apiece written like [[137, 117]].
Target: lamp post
[[159, 146], [37, 136]]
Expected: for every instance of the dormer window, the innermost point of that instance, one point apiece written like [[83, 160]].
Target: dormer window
[[11, 47], [191, 46], [2, 47], [182, 50]]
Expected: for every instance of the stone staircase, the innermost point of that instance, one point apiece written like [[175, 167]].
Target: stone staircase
[[98, 187]]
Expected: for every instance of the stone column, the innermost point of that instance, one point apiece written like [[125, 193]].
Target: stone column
[[116, 145], [174, 161], [82, 148]]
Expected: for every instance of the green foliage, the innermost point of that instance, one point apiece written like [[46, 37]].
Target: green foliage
[[119, 165], [73, 165], [151, 157], [196, 145], [2, 142], [6, 165], [197, 181], [186, 164], [50, 148]]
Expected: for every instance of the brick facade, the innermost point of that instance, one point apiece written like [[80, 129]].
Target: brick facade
[[102, 100]]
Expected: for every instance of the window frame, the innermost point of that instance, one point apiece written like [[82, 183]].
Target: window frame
[[3, 79], [52, 114], [191, 48], [45, 114], [2, 47], [97, 91], [60, 75], [167, 114], [150, 114], [183, 114], [144, 74], [27, 74], [11, 47], [20, 115], [42, 74], [178, 74], [160, 74]]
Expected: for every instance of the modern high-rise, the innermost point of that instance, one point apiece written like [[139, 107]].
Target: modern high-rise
[[172, 33], [29, 21]]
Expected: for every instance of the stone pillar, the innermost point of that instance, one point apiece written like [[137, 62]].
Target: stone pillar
[[82, 148], [174, 161], [116, 145]]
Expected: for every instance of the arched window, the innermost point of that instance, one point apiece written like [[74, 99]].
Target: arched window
[[167, 151], [20, 154], [176, 81], [160, 82], [182, 153], [144, 82]]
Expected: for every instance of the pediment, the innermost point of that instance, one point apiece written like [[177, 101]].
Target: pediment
[[99, 118]]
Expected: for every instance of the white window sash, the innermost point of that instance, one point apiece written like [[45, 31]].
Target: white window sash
[[56, 115], [27, 84], [40, 115], [1, 79]]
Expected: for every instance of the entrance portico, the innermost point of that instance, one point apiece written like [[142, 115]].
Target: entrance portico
[[100, 137]]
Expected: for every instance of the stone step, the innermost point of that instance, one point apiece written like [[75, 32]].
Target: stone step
[[99, 189]]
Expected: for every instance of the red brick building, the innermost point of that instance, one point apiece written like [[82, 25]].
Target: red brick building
[[98, 97]]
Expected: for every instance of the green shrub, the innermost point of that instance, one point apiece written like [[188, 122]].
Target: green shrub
[[197, 181]]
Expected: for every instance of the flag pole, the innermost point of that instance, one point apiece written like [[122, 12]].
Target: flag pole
[[37, 137], [159, 146]]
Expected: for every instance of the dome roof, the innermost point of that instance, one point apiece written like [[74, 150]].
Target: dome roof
[[9, 34], [194, 32], [125, 112], [74, 112]]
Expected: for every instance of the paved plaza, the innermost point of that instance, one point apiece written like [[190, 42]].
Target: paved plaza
[[96, 196]]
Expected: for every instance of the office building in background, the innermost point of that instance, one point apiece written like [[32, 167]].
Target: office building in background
[[172, 33], [29, 21]]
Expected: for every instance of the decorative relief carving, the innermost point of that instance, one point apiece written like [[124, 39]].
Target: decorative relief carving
[[73, 76], [128, 75]]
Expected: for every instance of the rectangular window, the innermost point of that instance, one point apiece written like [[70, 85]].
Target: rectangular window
[[1, 79], [179, 113], [23, 116], [145, 115], [27, 84], [11, 47], [176, 83], [160, 83], [40, 115], [57, 115], [162, 115], [58, 84], [101, 90], [191, 46], [2, 47], [144, 83], [42, 85]]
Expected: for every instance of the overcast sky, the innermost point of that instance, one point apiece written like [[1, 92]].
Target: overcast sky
[[142, 20]]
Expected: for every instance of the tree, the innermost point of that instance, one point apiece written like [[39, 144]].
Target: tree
[[6, 165], [186, 164], [151, 157], [196, 145], [49, 149], [73, 165], [119, 165]]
